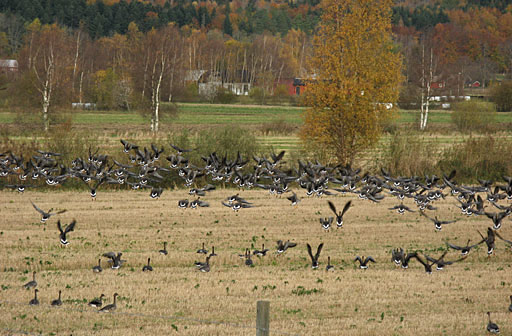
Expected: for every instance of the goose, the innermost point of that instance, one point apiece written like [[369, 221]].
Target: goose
[[128, 146], [46, 215], [202, 250], [293, 198], [97, 302], [97, 268], [489, 240], [237, 198], [34, 301], [110, 307], [437, 223], [363, 263], [115, 260], [329, 267], [509, 242], [464, 250], [156, 192], [491, 326], [180, 150], [205, 267], [213, 254], [19, 187], [497, 218], [339, 216], [314, 258], [326, 222], [510, 307], [441, 263], [237, 205], [407, 258], [63, 233], [198, 203], [397, 255], [282, 247], [147, 268], [183, 204], [33, 283], [57, 302], [401, 208], [164, 251], [262, 252], [248, 260], [428, 267]]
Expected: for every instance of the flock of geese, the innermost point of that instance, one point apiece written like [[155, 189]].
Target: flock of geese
[[143, 171]]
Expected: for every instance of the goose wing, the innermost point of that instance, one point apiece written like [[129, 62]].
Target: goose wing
[[310, 253], [37, 208], [59, 227], [318, 250], [70, 227], [333, 208], [369, 258], [346, 207]]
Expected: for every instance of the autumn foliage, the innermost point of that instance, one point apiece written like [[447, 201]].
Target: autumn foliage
[[357, 72]]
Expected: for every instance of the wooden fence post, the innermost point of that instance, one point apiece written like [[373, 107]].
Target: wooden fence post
[[262, 318]]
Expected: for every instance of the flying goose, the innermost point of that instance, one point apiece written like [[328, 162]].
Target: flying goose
[[34, 301], [339, 216], [97, 268], [262, 252], [237, 205], [441, 263], [437, 223], [57, 302], [326, 222], [397, 255], [464, 250], [97, 302], [293, 198], [147, 268], [180, 150], [46, 215], [509, 242], [491, 326], [401, 208], [19, 187], [33, 283], [314, 258], [164, 251], [489, 240], [497, 218], [115, 260], [110, 307], [363, 263], [407, 258], [329, 267], [69, 228], [282, 246], [428, 267]]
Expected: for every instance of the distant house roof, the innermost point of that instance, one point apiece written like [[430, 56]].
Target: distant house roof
[[8, 63]]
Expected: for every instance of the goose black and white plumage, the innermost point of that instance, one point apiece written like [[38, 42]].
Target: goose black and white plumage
[[326, 222], [213, 254], [235, 206], [401, 208], [97, 268], [183, 204], [19, 187], [115, 259], [179, 150], [464, 250], [293, 198], [426, 265], [441, 263], [156, 192], [34, 301], [314, 258], [363, 262], [397, 255], [46, 215], [147, 268], [497, 218], [283, 246], [406, 258], [110, 307], [198, 203], [164, 250], [202, 250], [489, 240], [97, 302], [32, 283], [248, 260], [491, 326], [63, 233], [128, 146], [57, 301], [437, 223], [262, 252], [329, 267], [204, 267], [339, 215]]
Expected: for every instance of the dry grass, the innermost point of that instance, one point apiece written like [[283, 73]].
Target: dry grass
[[382, 300]]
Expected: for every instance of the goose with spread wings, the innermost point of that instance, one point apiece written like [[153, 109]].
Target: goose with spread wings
[[314, 258], [339, 215], [64, 232], [46, 215]]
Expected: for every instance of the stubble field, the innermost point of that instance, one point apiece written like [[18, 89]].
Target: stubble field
[[178, 299]]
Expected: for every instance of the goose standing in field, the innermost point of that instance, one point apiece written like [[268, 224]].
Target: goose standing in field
[[34, 301], [262, 252], [110, 307], [147, 268], [464, 250], [339, 216], [33, 283], [97, 268], [363, 263], [248, 260], [491, 326], [397, 255], [213, 254], [204, 267], [57, 302], [97, 302], [164, 250], [329, 267], [314, 258], [437, 223], [202, 250], [46, 215], [282, 246], [69, 228]]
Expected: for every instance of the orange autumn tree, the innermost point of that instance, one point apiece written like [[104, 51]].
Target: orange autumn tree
[[357, 72]]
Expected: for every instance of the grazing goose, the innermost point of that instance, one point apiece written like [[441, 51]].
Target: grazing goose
[[164, 251], [464, 250], [34, 301], [262, 252], [401, 208], [147, 268], [97, 268], [57, 302], [97, 302], [339, 216], [489, 240], [110, 307], [437, 223], [497, 218], [491, 326], [397, 255], [69, 228], [293, 198], [314, 258], [282, 247], [407, 258], [326, 222], [363, 263], [202, 250], [329, 267], [33, 283], [46, 215], [115, 260]]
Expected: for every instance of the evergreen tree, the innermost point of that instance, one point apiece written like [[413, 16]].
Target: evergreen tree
[[228, 28]]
